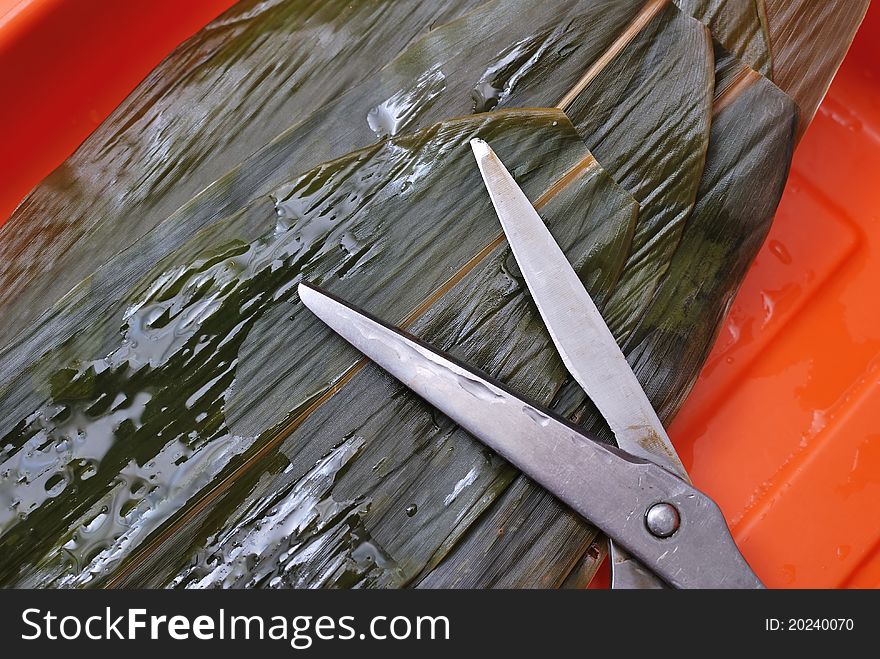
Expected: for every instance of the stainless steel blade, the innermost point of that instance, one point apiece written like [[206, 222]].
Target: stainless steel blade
[[607, 486], [582, 339], [586, 345]]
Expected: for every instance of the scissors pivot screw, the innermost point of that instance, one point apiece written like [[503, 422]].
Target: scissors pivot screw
[[662, 520]]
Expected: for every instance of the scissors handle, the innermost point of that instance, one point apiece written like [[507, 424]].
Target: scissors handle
[[701, 551]]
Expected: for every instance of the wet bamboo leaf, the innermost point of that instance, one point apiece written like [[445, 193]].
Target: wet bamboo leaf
[[765, 140], [753, 134], [739, 25], [506, 53], [63, 329], [809, 40], [799, 44], [214, 101], [575, 529], [150, 414], [164, 462], [646, 117], [401, 526]]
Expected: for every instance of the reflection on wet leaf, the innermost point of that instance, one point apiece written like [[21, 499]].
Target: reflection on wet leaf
[[297, 537], [164, 403]]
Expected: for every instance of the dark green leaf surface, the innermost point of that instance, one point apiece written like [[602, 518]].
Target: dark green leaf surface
[[506, 52], [86, 325], [753, 136], [214, 101], [400, 443], [114, 430], [739, 25], [809, 40], [180, 419], [646, 117], [506, 536]]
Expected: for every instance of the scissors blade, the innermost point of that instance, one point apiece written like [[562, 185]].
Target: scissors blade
[[604, 484], [583, 340]]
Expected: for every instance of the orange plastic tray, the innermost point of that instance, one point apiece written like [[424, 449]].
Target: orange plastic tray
[[783, 427]]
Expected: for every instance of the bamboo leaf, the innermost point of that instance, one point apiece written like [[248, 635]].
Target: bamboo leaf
[[215, 100], [220, 421], [738, 25], [753, 136], [73, 223], [167, 406], [646, 117], [462, 524], [401, 443], [70, 331], [809, 40]]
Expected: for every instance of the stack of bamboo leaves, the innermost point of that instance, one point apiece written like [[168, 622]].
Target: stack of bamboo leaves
[[170, 414]]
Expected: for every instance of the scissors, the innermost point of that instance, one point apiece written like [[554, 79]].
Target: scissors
[[663, 531]]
